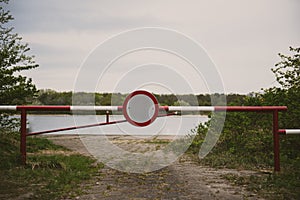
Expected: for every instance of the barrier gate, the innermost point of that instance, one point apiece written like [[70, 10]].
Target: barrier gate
[[143, 101]]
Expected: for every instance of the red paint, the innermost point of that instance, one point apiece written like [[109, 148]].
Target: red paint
[[165, 108], [23, 136], [43, 107], [276, 141], [120, 108], [281, 131]]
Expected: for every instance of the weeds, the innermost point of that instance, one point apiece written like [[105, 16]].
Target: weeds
[[44, 176], [246, 143]]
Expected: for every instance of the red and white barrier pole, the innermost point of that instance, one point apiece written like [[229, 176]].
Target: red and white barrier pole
[[8, 108], [225, 108], [289, 131], [166, 108], [272, 109], [56, 108]]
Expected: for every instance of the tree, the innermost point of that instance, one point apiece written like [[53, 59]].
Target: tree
[[287, 73], [181, 102], [51, 97], [14, 88], [247, 137]]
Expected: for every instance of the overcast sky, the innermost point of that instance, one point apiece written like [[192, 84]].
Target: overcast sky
[[242, 38]]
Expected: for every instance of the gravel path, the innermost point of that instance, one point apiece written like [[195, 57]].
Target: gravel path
[[184, 179]]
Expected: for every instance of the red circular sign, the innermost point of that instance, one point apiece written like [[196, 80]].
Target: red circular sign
[[140, 108]]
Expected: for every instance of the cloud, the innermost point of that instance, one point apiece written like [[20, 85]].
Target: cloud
[[242, 37], [58, 16]]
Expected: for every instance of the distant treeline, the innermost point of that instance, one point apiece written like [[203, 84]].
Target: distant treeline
[[51, 97]]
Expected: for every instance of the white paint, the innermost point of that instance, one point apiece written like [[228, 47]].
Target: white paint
[[292, 131], [91, 108], [191, 108], [8, 107]]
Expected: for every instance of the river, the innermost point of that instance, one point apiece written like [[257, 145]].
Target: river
[[171, 125]]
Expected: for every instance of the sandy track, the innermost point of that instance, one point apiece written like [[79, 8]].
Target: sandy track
[[184, 179]]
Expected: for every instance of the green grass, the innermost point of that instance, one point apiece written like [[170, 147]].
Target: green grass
[[247, 145], [277, 186], [45, 176]]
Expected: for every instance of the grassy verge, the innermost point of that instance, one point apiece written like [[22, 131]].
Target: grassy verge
[[284, 185], [51, 171], [246, 143]]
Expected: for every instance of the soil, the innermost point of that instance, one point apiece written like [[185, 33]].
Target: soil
[[183, 179]]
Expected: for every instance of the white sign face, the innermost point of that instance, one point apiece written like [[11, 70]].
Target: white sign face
[[140, 108]]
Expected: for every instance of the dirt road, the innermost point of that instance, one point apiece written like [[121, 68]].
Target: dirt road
[[184, 179]]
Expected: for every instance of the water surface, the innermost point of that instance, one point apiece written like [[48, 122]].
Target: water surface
[[172, 125]]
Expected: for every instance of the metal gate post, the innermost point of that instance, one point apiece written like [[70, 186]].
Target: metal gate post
[[276, 142], [23, 136], [107, 116]]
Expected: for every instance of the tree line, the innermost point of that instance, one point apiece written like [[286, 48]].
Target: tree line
[[52, 97]]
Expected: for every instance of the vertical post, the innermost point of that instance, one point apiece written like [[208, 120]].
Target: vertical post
[[107, 116], [276, 141], [23, 136]]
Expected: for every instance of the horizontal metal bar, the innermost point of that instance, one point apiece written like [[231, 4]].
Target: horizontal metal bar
[[44, 108], [6, 107], [250, 108], [60, 108], [167, 108], [94, 108], [226, 108], [289, 131], [190, 108]]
